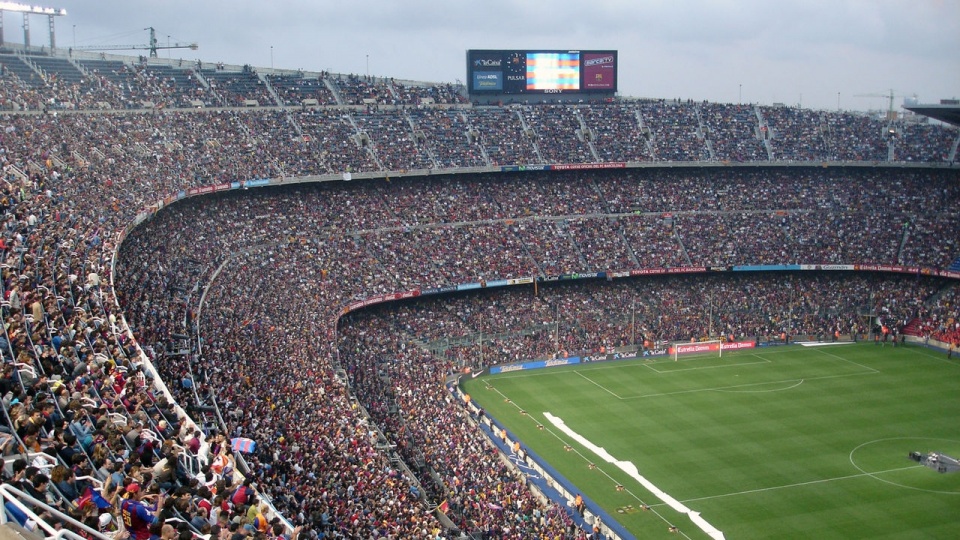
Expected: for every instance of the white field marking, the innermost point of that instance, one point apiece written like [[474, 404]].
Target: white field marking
[[892, 483], [640, 362], [722, 388], [798, 383], [849, 361], [505, 397], [868, 371], [742, 353], [600, 386], [598, 468], [630, 469], [798, 484], [649, 365], [764, 360], [719, 366], [939, 357], [822, 343]]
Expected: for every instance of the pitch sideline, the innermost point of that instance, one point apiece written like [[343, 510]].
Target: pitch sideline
[[629, 468]]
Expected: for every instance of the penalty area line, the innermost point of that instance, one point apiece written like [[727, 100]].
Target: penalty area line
[[598, 385], [718, 366]]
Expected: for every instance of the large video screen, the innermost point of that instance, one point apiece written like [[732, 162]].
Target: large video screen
[[541, 72]]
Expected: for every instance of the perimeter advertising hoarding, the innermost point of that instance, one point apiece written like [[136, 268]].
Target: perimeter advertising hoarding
[[541, 72], [708, 347]]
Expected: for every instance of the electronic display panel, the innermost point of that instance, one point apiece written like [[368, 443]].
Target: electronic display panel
[[599, 71], [541, 72], [553, 71]]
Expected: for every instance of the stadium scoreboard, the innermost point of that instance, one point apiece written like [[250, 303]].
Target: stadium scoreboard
[[541, 72]]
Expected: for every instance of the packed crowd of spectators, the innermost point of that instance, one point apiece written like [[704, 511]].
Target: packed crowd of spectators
[[941, 319], [935, 232], [791, 238], [548, 195], [795, 134], [281, 264], [62, 88], [654, 242], [850, 137], [404, 137], [365, 90], [294, 88], [94, 432], [500, 132], [616, 132], [560, 133], [923, 143], [793, 189], [447, 136], [676, 132], [329, 469], [396, 145], [168, 87], [133, 86], [335, 139], [550, 245], [270, 138], [239, 89], [34, 82], [299, 270], [515, 325], [483, 493], [436, 94], [601, 243], [734, 131], [280, 314]]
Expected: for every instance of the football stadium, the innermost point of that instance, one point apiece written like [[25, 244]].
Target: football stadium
[[242, 301]]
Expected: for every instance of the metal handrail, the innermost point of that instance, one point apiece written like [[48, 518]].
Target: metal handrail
[[16, 497]]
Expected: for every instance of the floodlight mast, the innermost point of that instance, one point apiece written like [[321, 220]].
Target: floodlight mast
[[153, 46], [28, 10]]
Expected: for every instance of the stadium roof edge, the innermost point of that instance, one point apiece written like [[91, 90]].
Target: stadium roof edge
[[945, 113]]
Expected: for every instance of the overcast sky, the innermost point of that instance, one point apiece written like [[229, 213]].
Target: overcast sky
[[765, 51]]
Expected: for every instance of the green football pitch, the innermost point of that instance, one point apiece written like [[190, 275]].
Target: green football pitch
[[781, 442]]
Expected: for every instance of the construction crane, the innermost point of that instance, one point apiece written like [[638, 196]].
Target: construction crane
[[153, 47], [891, 113]]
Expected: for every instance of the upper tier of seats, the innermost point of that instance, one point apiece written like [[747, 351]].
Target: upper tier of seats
[[617, 131], [74, 181]]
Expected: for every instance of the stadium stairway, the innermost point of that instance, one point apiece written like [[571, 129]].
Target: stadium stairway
[[12, 531], [912, 328]]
